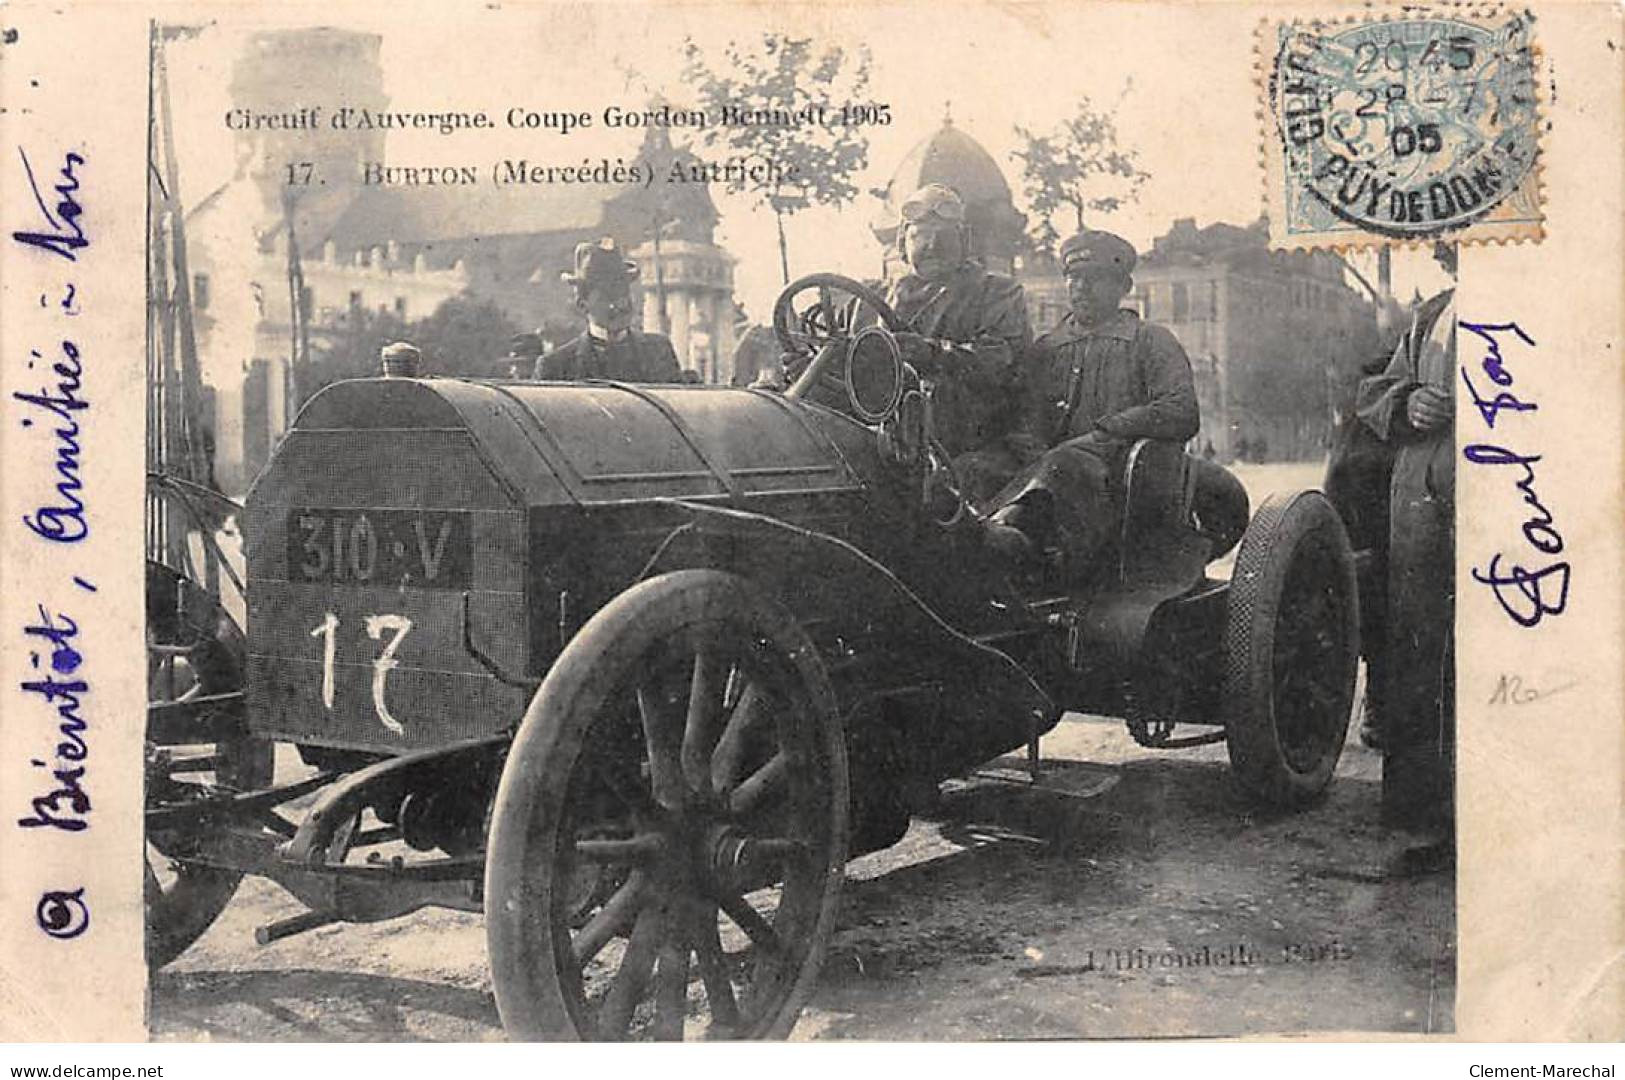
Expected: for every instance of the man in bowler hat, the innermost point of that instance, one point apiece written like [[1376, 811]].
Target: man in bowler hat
[[609, 348]]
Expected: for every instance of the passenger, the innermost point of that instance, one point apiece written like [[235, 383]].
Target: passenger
[[967, 330], [1104, 378], [609, 348]]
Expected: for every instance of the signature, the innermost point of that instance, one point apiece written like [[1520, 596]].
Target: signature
[[1527, 593], [1510, 690], [65, 236]]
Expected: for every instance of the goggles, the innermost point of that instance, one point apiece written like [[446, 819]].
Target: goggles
[[948, 209]]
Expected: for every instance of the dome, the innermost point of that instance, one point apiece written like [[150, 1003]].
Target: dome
[[949, 156]]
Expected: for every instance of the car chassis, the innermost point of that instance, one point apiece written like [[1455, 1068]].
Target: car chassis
[[649, 664]]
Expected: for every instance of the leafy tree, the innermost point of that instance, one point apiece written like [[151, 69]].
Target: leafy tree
[[349, 348], [462, 337], [815, 162], [1077, 165]]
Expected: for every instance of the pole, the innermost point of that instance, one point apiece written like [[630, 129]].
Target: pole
[[299, 332], [660, 271]]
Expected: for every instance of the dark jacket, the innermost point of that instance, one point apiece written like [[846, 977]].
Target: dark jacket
[[638, 357], [1418, 713], [1123, 380], [978, 401]]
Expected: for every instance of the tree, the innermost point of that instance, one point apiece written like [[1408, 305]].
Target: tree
[[804, 163], [349, 348], [462, 337], [1080, 165]]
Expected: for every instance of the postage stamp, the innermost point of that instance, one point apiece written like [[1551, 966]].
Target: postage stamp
[[1403, 129]]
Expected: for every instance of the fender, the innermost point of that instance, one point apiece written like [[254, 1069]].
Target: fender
[[878, 638]]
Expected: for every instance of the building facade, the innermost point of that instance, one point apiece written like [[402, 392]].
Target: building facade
[[406, 250], [1273, 336]]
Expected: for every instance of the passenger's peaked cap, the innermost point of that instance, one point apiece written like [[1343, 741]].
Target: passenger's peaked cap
[[600, 263], [1094, 248]]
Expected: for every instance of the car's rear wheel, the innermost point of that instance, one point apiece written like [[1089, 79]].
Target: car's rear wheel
[[1292, 643], [685, 747]]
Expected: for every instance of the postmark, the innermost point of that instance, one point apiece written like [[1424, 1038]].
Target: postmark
[[1402, 129]]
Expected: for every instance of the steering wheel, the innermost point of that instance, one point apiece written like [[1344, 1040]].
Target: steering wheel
[[834, 317], [813, 335]]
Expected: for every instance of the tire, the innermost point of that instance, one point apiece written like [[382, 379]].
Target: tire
[[1292, 645], [193, 648], [689, 734]]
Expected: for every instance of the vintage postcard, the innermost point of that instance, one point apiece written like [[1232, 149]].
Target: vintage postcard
[[899, 522]]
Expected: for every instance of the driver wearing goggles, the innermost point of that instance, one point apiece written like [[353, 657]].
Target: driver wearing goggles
[[966, 330]]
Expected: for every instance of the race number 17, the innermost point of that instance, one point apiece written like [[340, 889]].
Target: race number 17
[[396, 627]]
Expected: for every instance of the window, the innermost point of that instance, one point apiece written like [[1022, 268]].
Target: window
[[307, 302], [1182, 302], [400, 306], [1213, 301], [200, 291]]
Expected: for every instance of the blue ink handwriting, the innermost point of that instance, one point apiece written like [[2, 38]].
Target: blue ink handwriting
[[1494, 367], [1527, 594], [66, 806], [63, 913], [64, 522], [66, 235]]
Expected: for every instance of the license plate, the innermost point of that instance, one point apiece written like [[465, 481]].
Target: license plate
[[421, 549]]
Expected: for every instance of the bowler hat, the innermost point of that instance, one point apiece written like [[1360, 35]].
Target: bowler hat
[[600, 263], [1094, 248]]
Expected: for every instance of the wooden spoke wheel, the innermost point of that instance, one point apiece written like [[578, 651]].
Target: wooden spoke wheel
[[669, 837], [194, 649], [1292, 643]]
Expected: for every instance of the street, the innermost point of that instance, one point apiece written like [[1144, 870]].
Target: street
[[1133, 893], [1163, 906]]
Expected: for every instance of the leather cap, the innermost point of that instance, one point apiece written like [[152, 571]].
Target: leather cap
[[1094, 248]]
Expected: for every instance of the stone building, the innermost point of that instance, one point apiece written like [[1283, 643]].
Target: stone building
[[242, 288], [1271, 335], [407, 249]]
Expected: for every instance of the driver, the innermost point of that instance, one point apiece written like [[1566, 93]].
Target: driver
[[1104, 378], [966, 329], [609, 348]]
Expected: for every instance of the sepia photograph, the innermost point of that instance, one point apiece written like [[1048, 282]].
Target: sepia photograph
[[888, 523], [799, 550]]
